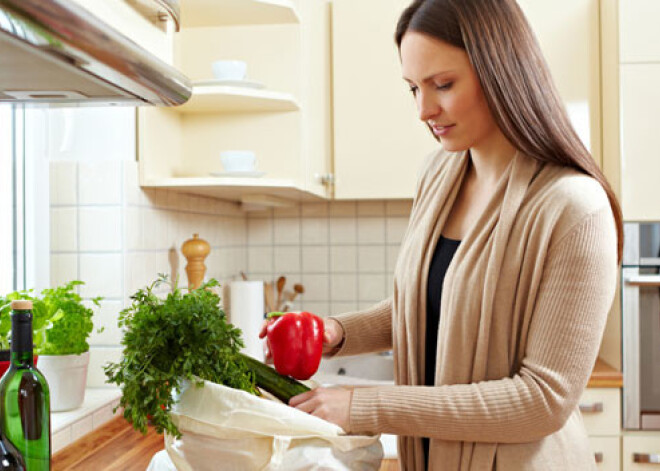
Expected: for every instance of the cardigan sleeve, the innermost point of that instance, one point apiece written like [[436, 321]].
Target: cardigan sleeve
[[575, 294], [366, 331]]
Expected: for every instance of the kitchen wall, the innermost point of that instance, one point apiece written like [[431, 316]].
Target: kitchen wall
[[116, 237], [342, 252]]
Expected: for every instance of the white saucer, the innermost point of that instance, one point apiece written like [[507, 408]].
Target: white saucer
[[229, 83], [243, 174]]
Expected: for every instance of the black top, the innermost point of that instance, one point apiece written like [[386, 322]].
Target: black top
[[444, 252]]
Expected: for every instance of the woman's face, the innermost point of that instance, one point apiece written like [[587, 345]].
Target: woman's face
[[447, 92]]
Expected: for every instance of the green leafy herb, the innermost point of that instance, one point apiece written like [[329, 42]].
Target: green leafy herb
[[61, 323], [181, 337]]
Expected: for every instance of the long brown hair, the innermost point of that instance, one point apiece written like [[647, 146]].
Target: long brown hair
[[515, 79]]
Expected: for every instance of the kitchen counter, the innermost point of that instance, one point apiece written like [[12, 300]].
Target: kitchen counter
[[605, 376], [116, 446]]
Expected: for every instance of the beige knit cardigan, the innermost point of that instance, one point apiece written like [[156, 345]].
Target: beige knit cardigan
[[524, 306]]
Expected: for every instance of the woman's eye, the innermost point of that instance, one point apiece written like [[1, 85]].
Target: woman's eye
[[444, 86], [413, 90]]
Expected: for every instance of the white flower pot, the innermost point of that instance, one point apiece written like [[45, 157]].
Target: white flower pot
[[67, 378]]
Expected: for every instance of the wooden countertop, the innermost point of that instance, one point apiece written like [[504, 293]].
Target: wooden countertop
[[117, 447], [605, 376]]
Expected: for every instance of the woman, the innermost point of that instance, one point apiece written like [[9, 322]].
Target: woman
[[513, 242]]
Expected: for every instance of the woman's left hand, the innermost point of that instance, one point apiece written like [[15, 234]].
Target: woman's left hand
[[331, 404]]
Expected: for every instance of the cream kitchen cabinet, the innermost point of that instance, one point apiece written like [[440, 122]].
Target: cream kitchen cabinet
[[634, 167], [601, 411], [150, 27], [286, 123], [379, 142], [607, 452], [641, 451]]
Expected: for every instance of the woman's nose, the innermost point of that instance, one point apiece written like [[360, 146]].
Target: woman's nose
[[427, 106]]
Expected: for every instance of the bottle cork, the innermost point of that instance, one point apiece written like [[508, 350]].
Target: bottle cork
[[21, 305], [195, 250]]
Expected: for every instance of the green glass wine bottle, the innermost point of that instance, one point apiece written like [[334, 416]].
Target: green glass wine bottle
[[24, 395]]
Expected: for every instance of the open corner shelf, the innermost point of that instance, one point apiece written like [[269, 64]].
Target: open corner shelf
[[199, 13]]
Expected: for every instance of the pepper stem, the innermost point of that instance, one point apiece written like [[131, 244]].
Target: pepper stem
[[271, 315]]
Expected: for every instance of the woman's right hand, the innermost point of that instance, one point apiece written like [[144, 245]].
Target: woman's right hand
[[333, 334]]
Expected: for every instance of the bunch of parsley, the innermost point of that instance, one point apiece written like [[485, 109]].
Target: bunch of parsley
[[61, 323], [181, 337]]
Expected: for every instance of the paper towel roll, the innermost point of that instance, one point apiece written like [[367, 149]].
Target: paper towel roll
[[247, 313]]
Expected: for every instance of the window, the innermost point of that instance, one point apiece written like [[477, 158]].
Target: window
[[8, 252]]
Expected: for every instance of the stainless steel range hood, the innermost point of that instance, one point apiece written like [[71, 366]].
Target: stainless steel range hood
[[55, 51]]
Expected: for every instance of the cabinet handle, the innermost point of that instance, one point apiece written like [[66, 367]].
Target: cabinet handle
[[648, 458], [643, 280], [591, 408], [598, 456]]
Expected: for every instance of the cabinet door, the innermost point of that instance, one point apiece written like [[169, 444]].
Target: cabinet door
[[601, 410], [639, 33], [607, 452], [379, 142], [640, 128], [641, 451], [569, 34]]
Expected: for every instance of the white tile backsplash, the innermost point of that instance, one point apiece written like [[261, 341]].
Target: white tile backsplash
[[116, 237], [100, 228], [99, 357], [260, 231], [260, 259], [343, 287], [371, 287], [343, 209], [63, 268], [342, 307], [315, 231], [343, 231], [317, 287], [371, 258], [102, 274], [371, 208], [391, 255], [371, 230], [315, 210], [395, 228], [286, 231], [343, 259], [286, 259], [100, 183], [64, 229], [105, 317], [63, 183], [398, 208], [315, 259], [318, 308]]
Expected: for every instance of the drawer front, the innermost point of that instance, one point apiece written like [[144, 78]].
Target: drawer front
[[607, 452], [641, 452], [601, 410]]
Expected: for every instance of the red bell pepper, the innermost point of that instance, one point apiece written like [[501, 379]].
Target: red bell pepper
[[295, 340]]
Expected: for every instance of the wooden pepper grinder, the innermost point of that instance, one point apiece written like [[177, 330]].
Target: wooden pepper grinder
[[195, 250]]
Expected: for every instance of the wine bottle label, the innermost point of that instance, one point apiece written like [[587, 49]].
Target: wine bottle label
[[30, 406]]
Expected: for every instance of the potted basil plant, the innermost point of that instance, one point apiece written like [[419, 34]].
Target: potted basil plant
[[61, 327]]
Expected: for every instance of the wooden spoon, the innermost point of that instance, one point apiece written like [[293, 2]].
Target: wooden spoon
[[268, 295], [298, 289], [281, 281]]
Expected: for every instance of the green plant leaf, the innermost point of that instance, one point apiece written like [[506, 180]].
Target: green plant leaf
[[171, 338]]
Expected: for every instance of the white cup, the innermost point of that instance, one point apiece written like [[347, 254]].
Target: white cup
[[229, 69], [238, 160]]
